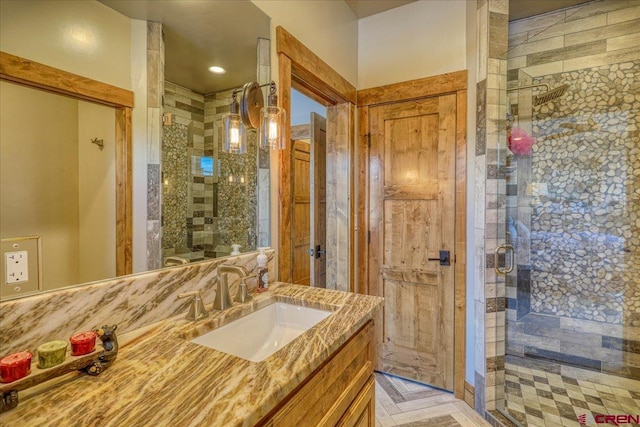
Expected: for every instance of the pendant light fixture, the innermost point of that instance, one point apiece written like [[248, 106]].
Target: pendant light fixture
[[272, 122], [250, 114], [235, 138]]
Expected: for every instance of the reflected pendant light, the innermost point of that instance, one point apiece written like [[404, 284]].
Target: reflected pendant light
[[272, 123], [235, 138]]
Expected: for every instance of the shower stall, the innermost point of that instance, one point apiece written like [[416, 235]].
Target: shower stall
[[570, 217]]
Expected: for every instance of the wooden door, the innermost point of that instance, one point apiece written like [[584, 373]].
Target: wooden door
[[301, 200], [318, 239], [412, 218]]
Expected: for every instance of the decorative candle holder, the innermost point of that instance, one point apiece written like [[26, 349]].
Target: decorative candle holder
[[15, 366], [83, 343], [51, 354]]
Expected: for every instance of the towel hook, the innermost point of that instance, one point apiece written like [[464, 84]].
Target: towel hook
[[98, 142]]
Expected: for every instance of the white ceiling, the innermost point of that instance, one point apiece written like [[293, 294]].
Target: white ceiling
[[199, 34]]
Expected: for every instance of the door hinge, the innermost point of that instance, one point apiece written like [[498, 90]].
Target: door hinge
[[368, 237], [368, 140]]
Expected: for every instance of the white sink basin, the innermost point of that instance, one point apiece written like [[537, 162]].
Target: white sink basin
[[258, 335]]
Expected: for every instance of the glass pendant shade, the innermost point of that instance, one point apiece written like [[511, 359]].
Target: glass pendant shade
[[272, 122], [235, 138]]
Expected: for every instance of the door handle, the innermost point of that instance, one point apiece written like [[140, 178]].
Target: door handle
[[508, 249], [319, 251], [445, 258]]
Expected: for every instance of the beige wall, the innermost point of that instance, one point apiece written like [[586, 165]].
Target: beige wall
[[39, 176], [328, 27], [96, 193], [82, 37], [420, 39]]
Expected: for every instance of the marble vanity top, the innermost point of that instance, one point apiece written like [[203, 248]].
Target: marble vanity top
[[160, 378]]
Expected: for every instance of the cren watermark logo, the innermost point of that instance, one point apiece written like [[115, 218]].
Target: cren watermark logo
[[616, 420]]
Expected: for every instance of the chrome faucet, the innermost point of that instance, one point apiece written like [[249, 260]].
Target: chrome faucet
[[223, 300]]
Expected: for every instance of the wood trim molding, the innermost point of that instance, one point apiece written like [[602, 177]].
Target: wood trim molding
[[307, 66], [362, 202], [460, 273], [420, 88], [33, 74], [469, 395], [352, 198], [455, 82], [284, 176], [124, 192]]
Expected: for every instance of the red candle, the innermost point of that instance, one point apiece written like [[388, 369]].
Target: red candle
[[15, 366], [83, 343]]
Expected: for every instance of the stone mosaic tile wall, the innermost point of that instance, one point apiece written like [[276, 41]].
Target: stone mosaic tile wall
[[183, 192], [585, 238], [175, 207], [155, 89]]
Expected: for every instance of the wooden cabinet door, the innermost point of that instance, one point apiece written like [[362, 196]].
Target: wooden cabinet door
[[412, 219], [362, 412]]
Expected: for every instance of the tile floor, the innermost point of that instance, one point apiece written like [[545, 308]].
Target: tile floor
[[408, 404], [538, 398]]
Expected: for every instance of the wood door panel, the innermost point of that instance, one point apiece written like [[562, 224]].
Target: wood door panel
[[402, 329], [301, 274], [301, 211], [418, 107], [415, 160], [427, 191], [318, 211], [413, 191], [414, 276], [411, 233]]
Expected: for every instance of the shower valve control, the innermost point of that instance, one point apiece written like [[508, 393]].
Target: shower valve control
[[445, 258]]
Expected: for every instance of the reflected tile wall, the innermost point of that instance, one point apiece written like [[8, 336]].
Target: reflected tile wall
[[155, 89]]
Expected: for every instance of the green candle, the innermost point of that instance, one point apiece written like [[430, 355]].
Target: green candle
[[52, 353]]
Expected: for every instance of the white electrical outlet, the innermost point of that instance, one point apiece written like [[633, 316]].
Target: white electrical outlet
[[16, 267]]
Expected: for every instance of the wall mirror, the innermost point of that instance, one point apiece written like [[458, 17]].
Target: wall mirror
[[210, 200]]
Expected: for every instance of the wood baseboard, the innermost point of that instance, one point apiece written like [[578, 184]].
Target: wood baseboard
[[469, 395]]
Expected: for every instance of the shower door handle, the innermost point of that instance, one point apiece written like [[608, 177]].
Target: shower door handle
[[508, 249]]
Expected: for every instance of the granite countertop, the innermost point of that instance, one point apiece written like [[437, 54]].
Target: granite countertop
[[160, 378]]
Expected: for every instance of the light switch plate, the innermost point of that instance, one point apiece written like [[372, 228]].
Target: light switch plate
[[20, 267]]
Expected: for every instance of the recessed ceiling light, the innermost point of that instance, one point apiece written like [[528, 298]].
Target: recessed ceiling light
[[217, 70]]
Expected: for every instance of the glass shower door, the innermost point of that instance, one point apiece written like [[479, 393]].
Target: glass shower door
[[571, 167]]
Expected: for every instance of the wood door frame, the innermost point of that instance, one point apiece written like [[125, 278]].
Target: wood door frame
[[299, 67], [40, 76], [450, 83]]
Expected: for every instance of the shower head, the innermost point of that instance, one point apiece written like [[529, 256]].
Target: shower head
[[549, 95]]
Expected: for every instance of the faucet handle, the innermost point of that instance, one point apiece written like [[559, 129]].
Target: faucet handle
[[196, 310], [243, 294]]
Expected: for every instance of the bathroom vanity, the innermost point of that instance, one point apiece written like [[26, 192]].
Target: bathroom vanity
[[322, 377]]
